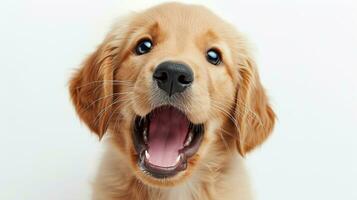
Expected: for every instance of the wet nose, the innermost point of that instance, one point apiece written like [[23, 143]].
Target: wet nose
[[173, 77]]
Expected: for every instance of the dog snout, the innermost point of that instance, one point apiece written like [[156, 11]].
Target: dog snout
[[173, 77]]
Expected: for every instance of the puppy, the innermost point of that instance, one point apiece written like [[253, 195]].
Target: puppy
[[178, 96]]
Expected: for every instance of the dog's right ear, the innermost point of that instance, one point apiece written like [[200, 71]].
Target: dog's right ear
[[90, 92]]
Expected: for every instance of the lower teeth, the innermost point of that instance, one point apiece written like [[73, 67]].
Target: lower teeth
[[145, 136], [178, 159], [189, 139], [147, 155]]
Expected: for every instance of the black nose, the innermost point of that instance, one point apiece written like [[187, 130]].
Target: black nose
[[173, 77]]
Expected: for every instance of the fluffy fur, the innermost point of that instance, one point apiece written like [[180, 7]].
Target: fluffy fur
[[114, 85]]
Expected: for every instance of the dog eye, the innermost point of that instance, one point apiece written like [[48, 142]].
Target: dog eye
[[213, 56], [143, 47]]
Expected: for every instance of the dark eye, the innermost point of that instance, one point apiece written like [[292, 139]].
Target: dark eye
[[214, 57], [143, 47]]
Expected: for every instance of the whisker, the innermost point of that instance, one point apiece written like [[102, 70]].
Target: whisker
[[114, 84], [218, 107], [100, 114], [104, 97], [228, 150], [247, 110], [130, 103], [105, 81], [119, 100], [250, 113]]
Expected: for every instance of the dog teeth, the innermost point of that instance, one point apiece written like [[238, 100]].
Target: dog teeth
[[145, 135], [147, 155], [189, 139], [178, 159]]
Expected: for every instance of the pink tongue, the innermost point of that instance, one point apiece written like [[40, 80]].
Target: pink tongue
[[167, 133]]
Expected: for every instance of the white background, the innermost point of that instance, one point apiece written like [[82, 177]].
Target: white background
[[307, 54]]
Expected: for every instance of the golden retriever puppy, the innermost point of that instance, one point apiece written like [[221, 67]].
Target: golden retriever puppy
[[177, 94]]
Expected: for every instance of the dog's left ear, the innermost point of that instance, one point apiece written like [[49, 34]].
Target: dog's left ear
[[253, 113]]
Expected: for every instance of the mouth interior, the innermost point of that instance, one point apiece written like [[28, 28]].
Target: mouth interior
[[164, 139], [167, 133]]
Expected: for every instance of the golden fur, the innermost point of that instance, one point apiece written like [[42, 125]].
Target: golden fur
[[114, 85]]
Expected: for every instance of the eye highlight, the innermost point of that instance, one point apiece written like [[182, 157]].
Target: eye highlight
[[214, 56], [144, 46]]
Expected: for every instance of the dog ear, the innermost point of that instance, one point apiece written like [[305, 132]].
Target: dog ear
[[90, 92], [253, 113]]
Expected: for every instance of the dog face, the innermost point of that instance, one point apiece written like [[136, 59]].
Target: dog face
[[174, 87]]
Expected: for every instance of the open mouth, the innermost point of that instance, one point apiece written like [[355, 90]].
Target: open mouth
[[164, 140]]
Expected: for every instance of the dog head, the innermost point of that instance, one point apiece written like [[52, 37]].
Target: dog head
[[174, 86]]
